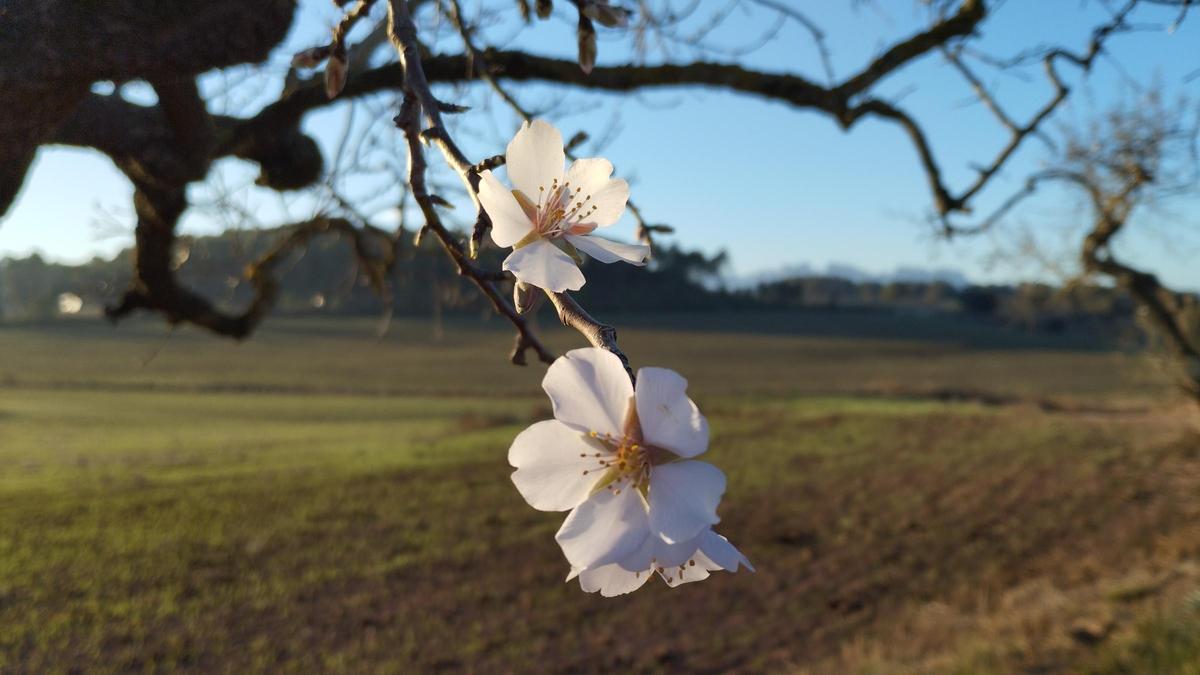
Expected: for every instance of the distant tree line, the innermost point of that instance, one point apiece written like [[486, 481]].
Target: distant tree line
[[319, 281], [323, 280], [1037, 307]]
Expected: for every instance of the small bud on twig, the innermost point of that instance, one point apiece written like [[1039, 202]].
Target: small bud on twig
[[526, 298], [587, 45], [310, 58], [544, 8], [577, 140], [335, 75], [452, 108], [608, 15]]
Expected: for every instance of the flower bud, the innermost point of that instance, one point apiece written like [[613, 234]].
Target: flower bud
[[608, 15], [335, 75], [526, 298], [310, 58], [587, 45]]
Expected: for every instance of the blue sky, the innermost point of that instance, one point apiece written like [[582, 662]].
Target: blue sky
[[774, 186]]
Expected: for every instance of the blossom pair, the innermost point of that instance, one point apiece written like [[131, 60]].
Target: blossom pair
[[620, 458], [549, 216]]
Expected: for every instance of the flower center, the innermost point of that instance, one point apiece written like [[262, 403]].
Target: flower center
[[559, 208], [627, 464]]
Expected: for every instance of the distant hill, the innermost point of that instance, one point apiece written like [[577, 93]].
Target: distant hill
[[849, 272]]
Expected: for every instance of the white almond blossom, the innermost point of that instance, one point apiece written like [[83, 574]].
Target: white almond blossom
[[620, 460], [549, 215]]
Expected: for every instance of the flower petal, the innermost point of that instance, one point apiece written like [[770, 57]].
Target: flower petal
[[553, 473], [612, 580], [509, 222], [607, 527], [683, 499], [716, 553], [535, 158], [542, 264], [669, 418], [658, 553], [589, 390], [607, 195], [589, 174], [678, 577], [609, 251]]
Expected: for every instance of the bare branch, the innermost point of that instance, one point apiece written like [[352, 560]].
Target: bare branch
[[418, 99], [962, 23], [601, 335]]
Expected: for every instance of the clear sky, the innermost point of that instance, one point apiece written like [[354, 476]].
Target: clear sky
[[775, 186]]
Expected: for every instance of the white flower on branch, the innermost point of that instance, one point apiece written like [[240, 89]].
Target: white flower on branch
[[620, 459], [549, 215]]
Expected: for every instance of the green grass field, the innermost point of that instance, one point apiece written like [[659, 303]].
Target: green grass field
[[320, 500]]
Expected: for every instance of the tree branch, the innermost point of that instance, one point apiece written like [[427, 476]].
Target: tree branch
[[419, 100]]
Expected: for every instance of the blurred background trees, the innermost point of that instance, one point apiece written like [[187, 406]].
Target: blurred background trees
[[121, 78]]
